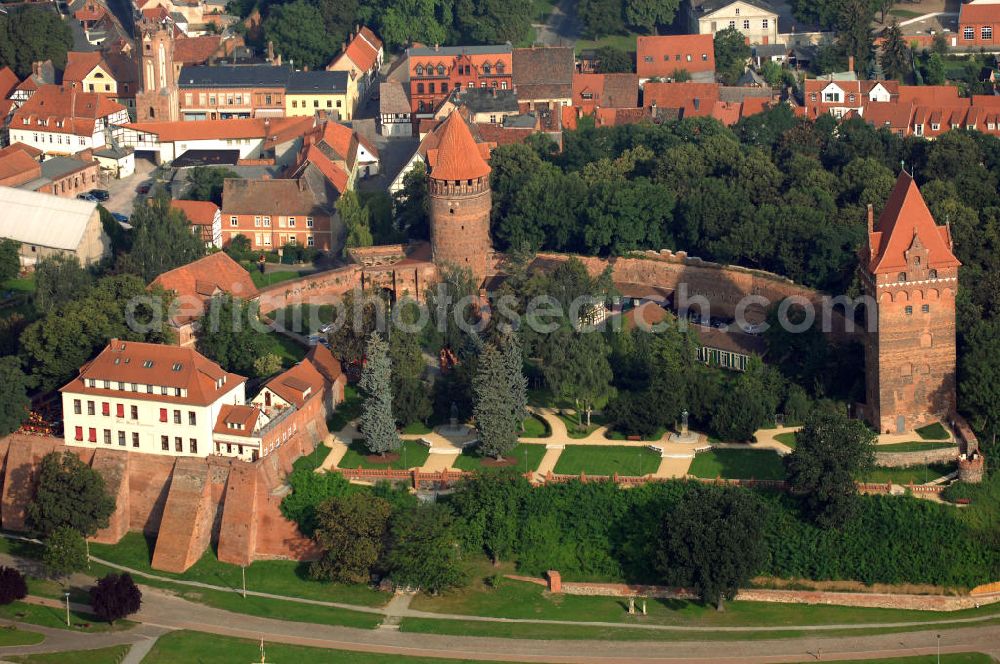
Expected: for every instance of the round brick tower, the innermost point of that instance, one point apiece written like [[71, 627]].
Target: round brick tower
[[460, 199]]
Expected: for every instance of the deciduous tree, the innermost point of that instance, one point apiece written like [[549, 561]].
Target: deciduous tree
[[731, 53], [299, 34], [12, 585], [611, 60], [410, 396], [711, 542], [69, 494], [65, 552], [231, 333], [205, 183], [647, 14], [115, 597], [377, 423], [831, 451], [59, 279], [161, 240], [31, 34], [580, 372], [10, 259], [352, 531], [13, 395], [423, 550]]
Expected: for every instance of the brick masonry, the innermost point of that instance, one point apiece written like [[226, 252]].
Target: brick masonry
[[914, 602], [919, 458]]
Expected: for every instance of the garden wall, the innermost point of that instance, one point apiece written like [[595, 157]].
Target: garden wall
[[917, 458]]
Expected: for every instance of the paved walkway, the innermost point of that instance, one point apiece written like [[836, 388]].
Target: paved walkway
[[548, 462]]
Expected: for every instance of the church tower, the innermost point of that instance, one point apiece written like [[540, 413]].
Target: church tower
[[156, 100], [910, 273], [460, 198]]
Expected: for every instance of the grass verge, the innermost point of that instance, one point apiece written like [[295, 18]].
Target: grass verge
[[914, 446], [13, 636], [271, 278], [412, 454], [528, 457], [347, 411], [910, 474], [55, 617], [535, 427], [787, 438], [112, 655], [934, 431]]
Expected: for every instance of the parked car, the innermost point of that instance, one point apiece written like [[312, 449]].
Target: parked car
[[100, 194], [119, 217], [86, 197], [143, 188]]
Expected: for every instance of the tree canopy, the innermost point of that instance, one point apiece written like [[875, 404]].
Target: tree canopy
[[731, 53], [206, 182], [377, 423], [30, 33], [10, 259], [162, 239], [232, 334], [13, 395], [69, 494]]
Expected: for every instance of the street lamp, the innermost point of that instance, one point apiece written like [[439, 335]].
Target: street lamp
[[67, 607], [939, 649], [243, 569]]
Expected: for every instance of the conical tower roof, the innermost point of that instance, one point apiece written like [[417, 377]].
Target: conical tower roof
[[458, 156], [904, 218]]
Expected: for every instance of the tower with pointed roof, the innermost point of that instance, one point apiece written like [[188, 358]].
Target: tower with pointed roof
[[910, 273], [460, 198], [157, 98]]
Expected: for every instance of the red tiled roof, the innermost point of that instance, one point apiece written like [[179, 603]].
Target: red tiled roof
[[245, 416], [77, 111], [457, 156], [298, 384], [197, 212], [928, 94], [693, 99], [159, 365], [605, 90], [91, 11], [8, 82], [906, 216], [979, 13], [17, 168], [197, 282], [79, 64], [182, 130], [196, 50], [361, 52], [661, 56], [336, 175], [32, 152]]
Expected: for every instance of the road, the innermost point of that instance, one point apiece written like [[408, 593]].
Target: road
[[562, 28]]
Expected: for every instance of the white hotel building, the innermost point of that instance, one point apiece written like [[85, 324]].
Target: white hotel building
[[149, 398]]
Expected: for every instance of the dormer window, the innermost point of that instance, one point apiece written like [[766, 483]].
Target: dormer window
[[901, 277], [420, 70], [932, 274], [176, 367], [440, 70], [148, 364], [486, 69], [499, 67]]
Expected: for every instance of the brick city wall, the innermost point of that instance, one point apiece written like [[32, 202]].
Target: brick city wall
[[860, 599], [724, 287], [319, 287]]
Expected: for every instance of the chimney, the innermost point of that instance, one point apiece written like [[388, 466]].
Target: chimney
[[437, 46], [277, 60], [850, 63], [270, 51], [871, 218]]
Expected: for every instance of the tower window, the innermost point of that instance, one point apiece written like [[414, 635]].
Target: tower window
[[926, 308], [901, 276], [932, 274], [909, 311]]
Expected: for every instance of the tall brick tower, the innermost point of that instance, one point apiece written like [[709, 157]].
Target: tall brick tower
[[156, 100], [909, 270], [460, 198]]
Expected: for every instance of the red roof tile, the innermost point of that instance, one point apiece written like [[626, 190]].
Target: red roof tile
[[197, 212], [17, 168], [661, 56], [196, 50], [457, 156], [160, 365], [605, 91], [197, 282], [693, 99], [8, 82], [988, 12], [905, 217], [181, 130], [76, 111], [242, 417]]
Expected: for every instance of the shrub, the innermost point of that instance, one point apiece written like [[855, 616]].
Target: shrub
[[115, 597], [12, 585]]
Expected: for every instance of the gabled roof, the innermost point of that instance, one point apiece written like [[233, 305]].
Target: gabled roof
[[197, 212], [362, 50], [169, 132], [31, 151], [243, 419], [692, 99], [18, 167], [196, 50], [544, 72], [64, 110], [198, 281], [160, 365], [904, 218], [393, 98], [606, 90], [457, 155], [121, 68], [979, 12], [319, 81], [706, 7], [43, 219], [234, 76], [307, 378], [285, 197], [663, 55], [8, 82]]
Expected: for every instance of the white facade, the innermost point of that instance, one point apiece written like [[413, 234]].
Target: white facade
[[141, 418], [760, 26], [250, 147], [51, 140]]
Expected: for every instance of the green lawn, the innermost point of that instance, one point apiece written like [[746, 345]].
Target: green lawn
[[271, 278], [184, 646], [540, 10], [346, 411], [412, 454], [313, 460], [470, 460], [281, 577], [112, 655], [518, 599], [910, 474], [624, 42], [606, 460], [48, 616], [788, 438], [618, 435], [903, 14], [535, 427], [914, 446], [22, 285], [303, 318], [738, 464], [956, 658], [576, 430], [416, 429], [290, 351], [935, 431], [12, 636]]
